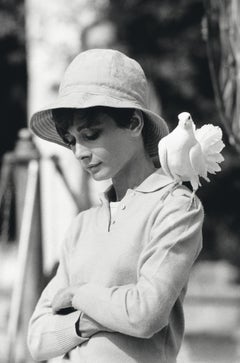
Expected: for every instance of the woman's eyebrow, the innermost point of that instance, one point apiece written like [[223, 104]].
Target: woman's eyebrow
[[88, 125], [81, 127]]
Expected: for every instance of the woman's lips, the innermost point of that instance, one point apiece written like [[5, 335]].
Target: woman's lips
[[93, 167]]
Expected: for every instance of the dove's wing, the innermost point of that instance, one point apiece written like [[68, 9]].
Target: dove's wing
[[197, 160], [197, 166], [163, 157]]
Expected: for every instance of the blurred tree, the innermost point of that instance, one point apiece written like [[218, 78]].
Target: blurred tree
[[13, 72], [223, 45]]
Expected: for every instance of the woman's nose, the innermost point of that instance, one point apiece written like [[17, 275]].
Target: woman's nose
[[81, 152]]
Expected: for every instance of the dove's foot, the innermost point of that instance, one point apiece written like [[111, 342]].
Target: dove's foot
[[171, 190], [177, 184]]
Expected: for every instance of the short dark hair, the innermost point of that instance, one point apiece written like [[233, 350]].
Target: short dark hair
[[63, 117]]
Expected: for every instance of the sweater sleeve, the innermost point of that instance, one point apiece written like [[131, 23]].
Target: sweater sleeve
[[51, 335], [143, 309]]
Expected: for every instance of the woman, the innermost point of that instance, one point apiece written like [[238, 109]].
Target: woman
[[118, 292]]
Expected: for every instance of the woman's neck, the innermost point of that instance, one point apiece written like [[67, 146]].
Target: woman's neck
[[133, 175]]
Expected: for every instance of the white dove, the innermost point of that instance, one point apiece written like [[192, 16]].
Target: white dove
[[187, 154]]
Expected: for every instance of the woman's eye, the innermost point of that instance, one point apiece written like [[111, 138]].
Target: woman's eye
[[91, 135], [69, 140]]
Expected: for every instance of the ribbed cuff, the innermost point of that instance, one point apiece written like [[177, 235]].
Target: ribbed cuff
[[66, 334]]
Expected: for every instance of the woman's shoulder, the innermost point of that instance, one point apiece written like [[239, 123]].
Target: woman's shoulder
[[181, 197], [180, 190]]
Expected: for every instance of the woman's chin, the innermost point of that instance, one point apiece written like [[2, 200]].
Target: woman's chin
[[100, 175]]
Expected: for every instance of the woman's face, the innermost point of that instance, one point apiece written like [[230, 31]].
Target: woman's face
[[103, 148]]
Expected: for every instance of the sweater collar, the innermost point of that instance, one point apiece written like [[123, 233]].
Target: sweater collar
[[152, 183]]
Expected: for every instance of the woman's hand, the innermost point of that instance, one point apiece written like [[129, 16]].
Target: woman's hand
[[63, 299]]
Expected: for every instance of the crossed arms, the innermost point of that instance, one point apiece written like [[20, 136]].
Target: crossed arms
[[141, 309]]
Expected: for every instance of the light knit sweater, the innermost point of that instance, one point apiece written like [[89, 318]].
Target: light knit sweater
[[132, 272]]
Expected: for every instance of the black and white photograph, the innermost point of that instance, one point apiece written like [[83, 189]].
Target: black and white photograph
[[120, 181]]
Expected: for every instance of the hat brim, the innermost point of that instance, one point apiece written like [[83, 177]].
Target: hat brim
[[42, 122]]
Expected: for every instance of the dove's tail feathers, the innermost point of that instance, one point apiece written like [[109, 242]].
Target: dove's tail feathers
[[213, 167], [210, 139], [216, 147], [218, 158]]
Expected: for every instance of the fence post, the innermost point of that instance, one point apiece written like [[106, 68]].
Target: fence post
[[26, 151]]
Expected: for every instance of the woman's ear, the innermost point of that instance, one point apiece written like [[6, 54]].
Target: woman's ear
[[136, 123]]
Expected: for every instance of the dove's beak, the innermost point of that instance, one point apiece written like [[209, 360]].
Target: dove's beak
[[187, 121]]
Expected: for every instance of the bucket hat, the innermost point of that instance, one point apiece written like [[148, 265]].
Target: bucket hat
[[102, 77]]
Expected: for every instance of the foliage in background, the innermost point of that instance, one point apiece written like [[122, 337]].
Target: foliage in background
[[13, 72], [167, 37]]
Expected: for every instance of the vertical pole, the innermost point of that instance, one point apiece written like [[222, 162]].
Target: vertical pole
[[25, 151]]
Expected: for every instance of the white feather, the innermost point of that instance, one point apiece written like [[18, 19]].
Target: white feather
[[210, 139], [215, 157]]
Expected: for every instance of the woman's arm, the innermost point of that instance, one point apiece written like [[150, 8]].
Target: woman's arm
[[55, 331], [51, 335], [142, 309]]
